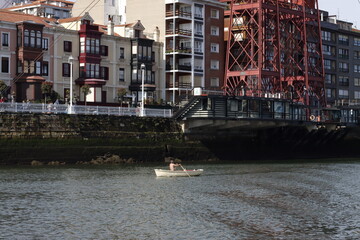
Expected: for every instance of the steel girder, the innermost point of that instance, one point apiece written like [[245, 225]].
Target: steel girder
[[274, 47]]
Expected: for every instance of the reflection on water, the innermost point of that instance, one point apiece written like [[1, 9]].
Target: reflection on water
[[230, 201]]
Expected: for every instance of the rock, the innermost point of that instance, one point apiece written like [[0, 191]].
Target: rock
[[36, 163]]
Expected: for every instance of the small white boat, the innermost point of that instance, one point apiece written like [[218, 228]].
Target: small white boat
[[178, 173]]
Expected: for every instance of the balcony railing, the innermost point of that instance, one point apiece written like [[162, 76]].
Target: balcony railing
[[178, 13], [180, 85], [179, 31], [80, 109], [178, 67], [179, 50]]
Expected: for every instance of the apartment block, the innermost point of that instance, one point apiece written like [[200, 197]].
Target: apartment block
[[35, 50], [192, 32], [341, 51], [57, 9]]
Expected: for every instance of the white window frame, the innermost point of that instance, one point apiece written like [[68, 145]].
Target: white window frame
[[214, 64], [214, 82], [215, 13], [8, 39], [8, 57], [214, 47], [214, 31]]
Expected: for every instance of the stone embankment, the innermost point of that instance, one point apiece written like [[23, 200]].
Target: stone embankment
[[63, 139]]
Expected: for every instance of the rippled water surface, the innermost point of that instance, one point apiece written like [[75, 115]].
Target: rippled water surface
[[305, 200]]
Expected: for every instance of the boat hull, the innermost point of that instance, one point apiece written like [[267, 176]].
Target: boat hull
[[178, 173]]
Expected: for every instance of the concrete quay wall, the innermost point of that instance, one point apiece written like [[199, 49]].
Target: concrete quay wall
[[71, 138]]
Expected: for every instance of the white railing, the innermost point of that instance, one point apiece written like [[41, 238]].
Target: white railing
[[77, 109]]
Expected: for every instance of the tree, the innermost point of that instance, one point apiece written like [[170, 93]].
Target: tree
[[85, 89], [46, 88], [121, 92], [3, 88]]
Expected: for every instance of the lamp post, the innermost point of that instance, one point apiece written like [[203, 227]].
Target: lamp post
[[142, 113], [70, 109]]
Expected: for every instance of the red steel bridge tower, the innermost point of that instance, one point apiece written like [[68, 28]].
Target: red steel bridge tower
[[274, 49]]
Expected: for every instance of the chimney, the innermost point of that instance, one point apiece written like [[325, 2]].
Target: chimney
[[157, 34], [110, 26]]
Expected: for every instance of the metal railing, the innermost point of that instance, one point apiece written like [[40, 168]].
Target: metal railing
[[80, 109]]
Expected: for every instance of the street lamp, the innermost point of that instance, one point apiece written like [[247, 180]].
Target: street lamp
[[142, 113], [70, 109]]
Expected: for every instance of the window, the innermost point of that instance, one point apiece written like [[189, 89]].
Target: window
[[357, 82], [19, 67], [357, 68], [82, 45], [122, 53], [66, 70], [357, 94], [32, 38], [214, 65], [329, 64], [4, 64], [5, 39], [356, 41], [26, 38], [343, 67], [330, 78], [357, 55], [103, 50], [37, 67], [45, 68], [343, 93], [45, 43], [104, 73], [330, 93], [32, 67], [215, 13], [26, 66], [329, 50], [38, 39], [97, 46], [326, 36], [343, 39], [121, 74], [92, 70], [134, 75], [198, 11], [214, 82], [198, 29], [343, 53], [67, 46], [214, 31], [343, 81], [214, 47], [198, 47], [92, 45]]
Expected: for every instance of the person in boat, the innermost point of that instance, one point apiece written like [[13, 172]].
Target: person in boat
[[173, 165]]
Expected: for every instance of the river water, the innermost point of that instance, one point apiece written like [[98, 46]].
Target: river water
[[293, 200]]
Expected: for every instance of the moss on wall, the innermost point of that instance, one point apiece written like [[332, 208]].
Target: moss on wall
[[71, 138]]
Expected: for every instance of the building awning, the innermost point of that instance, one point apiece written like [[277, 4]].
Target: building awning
[[90, 81], [31, 79]]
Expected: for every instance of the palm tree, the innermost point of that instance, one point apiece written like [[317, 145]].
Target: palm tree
[[121, 92], [86, 90], [46, 88], [3, 88]]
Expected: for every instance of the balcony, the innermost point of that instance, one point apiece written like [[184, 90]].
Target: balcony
[[179, 31], [178, 13], [186, 85], [178, 67], [179, 50]]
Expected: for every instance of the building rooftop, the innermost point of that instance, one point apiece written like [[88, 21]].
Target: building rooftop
[[8, 16]]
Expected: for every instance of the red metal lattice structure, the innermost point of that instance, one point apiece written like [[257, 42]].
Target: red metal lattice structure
[[274, 49]]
